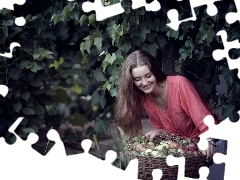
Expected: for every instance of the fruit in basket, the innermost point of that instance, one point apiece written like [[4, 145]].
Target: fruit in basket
[[139, 147], [193, 146], [174, 145]]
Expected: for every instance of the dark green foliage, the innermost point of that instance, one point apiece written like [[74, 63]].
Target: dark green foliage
[[67, 66]]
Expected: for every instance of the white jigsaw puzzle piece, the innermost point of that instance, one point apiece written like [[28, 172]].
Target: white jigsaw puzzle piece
[[3, 90], [232, 17], [180, 162], [9, 4], [103, 169], [153, 6], [12, 46], [103, 12], [229, 131], [173, 14], [58, 149], [219, 54]]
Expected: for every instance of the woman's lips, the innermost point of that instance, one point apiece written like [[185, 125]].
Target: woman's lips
[[147, 87]]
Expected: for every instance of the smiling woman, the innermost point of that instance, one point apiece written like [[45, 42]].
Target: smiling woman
[[171, 102]]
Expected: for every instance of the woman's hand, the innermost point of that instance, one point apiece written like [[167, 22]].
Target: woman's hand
[[154, 133], [210, 151]]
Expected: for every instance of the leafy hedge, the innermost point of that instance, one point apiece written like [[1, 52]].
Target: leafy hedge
[[68, 64]]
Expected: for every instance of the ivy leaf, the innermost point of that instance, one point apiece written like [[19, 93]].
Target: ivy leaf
[[82, 19], [161, 41], [28, 111], [92, 19], [36, 67], [40, 110], [228, 110], [95, 99], [78, 120], [151, 48], [26, 64], [101, 126], [66, 12], [17, 107], [57, 18], [5, 30], [113, 92], [99, 76], [25, 95], [98, 42], [29, 130], [143, 32], [8, 23]]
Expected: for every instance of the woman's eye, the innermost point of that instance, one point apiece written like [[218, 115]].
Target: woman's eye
[[149, 75], [136, 79]]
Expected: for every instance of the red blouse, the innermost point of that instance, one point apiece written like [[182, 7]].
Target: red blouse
[[185, 113]]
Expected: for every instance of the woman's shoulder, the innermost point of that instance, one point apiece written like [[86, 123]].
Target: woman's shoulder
[[178, 79]]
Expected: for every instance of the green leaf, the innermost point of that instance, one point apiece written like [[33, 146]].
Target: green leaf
[[8, 23], [29, 130], [143, 32], [101, 126], [17, 107], [5, 30], [228, 110], [78, 120], [98, 42], [151, 48], [36, 83], [40, 110], [113, 92], [161, 41], [82, 19], [110, 58], [26, 64], [25, 95], [57, 19], [28, 111], [66, 12], [99, 76], [92, 19], [36, 67], [37, 121], [96, 98]]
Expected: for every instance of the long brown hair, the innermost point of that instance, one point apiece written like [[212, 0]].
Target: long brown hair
[[128, 106]]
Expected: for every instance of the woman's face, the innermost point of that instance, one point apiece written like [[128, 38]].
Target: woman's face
[[143, 78]]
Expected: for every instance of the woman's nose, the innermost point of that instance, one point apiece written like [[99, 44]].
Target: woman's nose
[[144, 81]]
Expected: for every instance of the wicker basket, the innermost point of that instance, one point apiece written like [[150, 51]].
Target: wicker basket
[[148, 164]]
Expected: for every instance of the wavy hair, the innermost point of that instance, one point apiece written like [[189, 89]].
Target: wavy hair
[[128, 107]]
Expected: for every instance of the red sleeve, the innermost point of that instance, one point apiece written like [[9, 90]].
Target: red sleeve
[[192, 103]]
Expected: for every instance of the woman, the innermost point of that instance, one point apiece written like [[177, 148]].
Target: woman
[[171, 102]]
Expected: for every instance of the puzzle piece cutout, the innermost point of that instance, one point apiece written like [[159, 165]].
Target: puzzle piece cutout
[[88, 166], [180, 162], [19, 21], [173, 14], [219, 54], [229, 131], [9, 4], [232, 17], [3, 90], [104, 12], [12, 46]]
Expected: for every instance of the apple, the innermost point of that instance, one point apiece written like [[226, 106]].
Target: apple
[[154, 153], [174, 145], [196, 153], [139, 147], [193, 146]]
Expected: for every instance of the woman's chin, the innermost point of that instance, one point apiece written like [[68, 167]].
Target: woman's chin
[[147, 91]]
